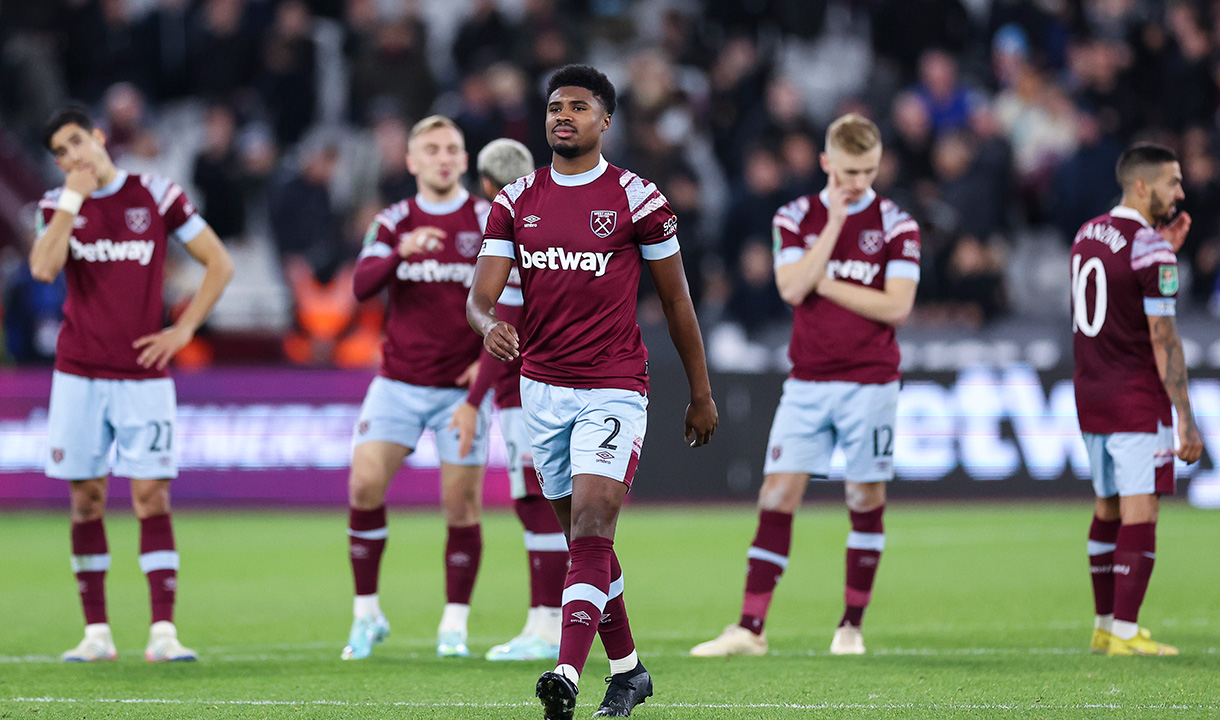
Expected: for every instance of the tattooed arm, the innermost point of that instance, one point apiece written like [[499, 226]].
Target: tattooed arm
[[1171, 365]]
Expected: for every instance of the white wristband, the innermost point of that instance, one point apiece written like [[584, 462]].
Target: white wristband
[[70, 201]]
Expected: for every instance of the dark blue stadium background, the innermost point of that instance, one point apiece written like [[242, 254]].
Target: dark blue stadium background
[[286, 120]]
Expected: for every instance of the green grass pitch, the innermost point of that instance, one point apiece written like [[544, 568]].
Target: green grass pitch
[[979, 611]]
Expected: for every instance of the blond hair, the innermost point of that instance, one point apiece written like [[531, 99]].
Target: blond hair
[[432, 122], [853, 133], [504, 160]]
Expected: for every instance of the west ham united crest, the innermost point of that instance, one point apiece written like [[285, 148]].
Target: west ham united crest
[[468, 243], [138, 219], [871, 241], [602, 222]]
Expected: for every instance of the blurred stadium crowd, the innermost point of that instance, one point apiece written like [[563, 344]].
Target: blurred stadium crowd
[[286, 120]]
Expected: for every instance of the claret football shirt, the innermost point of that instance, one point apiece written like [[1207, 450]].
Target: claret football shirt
[[1122, 272], [427, 339], [878, 241], [116, 272], [580, 242]]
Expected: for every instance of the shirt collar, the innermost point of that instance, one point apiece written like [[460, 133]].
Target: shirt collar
[[1122, 211], [867, 199], [110, 188], [583, 178], [442, 208]]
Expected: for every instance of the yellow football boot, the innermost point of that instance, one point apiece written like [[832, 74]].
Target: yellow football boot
[[1141, 644], [1100, 642]]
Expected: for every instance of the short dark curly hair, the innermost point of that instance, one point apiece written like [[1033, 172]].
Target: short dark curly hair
[[589, 78], [70, 115]]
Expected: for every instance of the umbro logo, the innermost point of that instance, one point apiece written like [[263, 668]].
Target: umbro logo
[[531, 220], [582, 617]]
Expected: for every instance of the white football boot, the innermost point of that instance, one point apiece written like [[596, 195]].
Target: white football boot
[[163, 645], [847, 641], [97, 645], [735, 640]]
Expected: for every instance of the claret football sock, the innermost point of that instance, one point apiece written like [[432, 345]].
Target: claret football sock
[[1134, 556], [367, 533], [547, 549], [1103, 534], [767, 559], [865, 543], [584, 599], [463, 553], [159, 563], [614, 628], [90, 561]]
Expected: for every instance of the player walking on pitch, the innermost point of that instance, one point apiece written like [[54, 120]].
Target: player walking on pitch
[[109, 231], [424, 249], [580, 231], [847, 260], [1129, 373], [499, 163]]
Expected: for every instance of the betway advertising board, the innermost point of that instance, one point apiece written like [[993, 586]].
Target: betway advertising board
[[283, 436]]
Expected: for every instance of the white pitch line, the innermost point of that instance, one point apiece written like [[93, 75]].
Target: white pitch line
[[879, 652], [676, 705], [991, 626]]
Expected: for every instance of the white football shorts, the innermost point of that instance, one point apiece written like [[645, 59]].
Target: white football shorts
[[520, 453], [576, 431], [1126, 464], [398, 412], [88, 416], [813, 417]]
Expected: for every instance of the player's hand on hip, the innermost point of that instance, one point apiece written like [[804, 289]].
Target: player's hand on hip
[[701, 421], [502, 342], [81, 179], [466, 420], [1175, 232], [423, 239], [468, 375], [157, 349], [1190, 443]]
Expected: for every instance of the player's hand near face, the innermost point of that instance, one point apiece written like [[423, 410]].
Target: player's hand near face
[[1190, 443], [82, 179], [797, 280], [157, 349], [836, 203], [502, 342], [1175, 232], [702, 419], [466, 420], [424, 239]]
